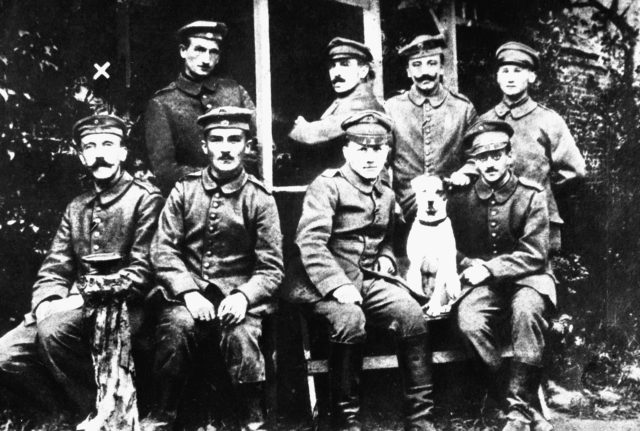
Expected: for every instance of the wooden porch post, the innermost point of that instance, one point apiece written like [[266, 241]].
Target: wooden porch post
[[373, 39], [263, 87], [448, 19]]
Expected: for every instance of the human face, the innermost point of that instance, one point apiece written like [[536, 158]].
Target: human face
[[493, 165], [425, 72], [103, 154], [514, 80], [366, 161], [200, 56], [225, 148], [346, 74]]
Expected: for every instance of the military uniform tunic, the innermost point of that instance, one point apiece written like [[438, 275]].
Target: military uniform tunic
[[121, 219], [326, 133], [543, 150], [429, 133], [507, 231], [173, 140], [217, 239], [346, 225]]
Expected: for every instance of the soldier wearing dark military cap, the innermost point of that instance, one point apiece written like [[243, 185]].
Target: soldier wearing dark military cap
[[501, 226], [218, 257], [351, 74], [430, 121], [47, 357], [171, 134], [543, 149], [345, 273]]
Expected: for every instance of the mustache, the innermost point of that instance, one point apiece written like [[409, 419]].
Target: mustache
[[226, 157], [100, 162], [337, 79], [491, 170], [427, 77]]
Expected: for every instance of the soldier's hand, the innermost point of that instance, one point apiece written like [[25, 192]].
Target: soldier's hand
[[300, 120], [385, 265], [459, 179], [475, 274], [347, 294], [199, 306], [48, 308], [233, 309]]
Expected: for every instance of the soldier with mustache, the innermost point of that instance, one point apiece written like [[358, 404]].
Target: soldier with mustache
[[47, 358], [171, 134], [430, 123], [351, 74]]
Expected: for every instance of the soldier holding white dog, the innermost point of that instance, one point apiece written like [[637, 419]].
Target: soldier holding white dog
[[501, 224]]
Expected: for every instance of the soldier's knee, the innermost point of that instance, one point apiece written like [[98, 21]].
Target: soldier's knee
[[408, 318], [175, 323], [528, 306], [470, 322], [349, 325]]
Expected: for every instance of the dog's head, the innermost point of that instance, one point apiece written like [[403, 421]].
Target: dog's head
[[431, 198]]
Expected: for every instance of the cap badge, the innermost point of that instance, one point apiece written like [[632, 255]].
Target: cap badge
[[209, 35], [225, 122]]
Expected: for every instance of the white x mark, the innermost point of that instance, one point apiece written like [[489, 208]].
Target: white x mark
[[101, 70]]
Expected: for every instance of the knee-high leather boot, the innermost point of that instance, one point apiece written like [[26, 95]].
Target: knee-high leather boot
[[522, 398], [345, 369], [253, 414], [414, 361]]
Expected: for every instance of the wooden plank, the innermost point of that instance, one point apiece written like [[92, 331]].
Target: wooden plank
[[290, 189], [448, 22], [373, 39], [263, 87], [364, 4]]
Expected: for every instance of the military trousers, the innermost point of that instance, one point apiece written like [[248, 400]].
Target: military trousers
[[384, 305], [483, 313]]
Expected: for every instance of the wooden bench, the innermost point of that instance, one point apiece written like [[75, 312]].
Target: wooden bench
[[441, 354]]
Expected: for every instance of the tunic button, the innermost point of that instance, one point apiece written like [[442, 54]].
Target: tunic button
[[209, 106], [493, 234], [217, 195], [493, 212], [211, 228], [209, 253], [495, 251], [213, 216], [216, 204], [96, 247], [97, 220], [96, 234], [493, 202], [493, 223], [206, 265]]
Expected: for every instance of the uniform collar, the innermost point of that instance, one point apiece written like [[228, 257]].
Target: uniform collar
[[210, 183], [356, 180], [434, 100], [518, 109], [113, 192], [194, 88], [504, 192]]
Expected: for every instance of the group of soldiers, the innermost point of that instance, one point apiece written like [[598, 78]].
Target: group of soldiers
[[205, 246]]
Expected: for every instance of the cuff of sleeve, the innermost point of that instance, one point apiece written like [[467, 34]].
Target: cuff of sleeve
[[329, 284], [183, 284]]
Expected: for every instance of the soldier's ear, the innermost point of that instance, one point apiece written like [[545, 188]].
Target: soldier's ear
[[204, 147], [532, 77], [122, 155]]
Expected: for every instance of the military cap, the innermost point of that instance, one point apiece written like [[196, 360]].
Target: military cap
[[519, 54], [423, 45], [368, 128], [210, 30], [339, 47], [99, 123], [497, 128], [226, 117]]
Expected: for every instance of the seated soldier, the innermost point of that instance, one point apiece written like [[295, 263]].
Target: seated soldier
[[47, 358], [501, 225], [344, 274], [218, 257]]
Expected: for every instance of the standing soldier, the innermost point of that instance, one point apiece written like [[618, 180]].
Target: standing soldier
[[344, 274], [501, 224], [49, 352], [430, 123], [351, 74], [218, 257], [543, 149], [172, 137]]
